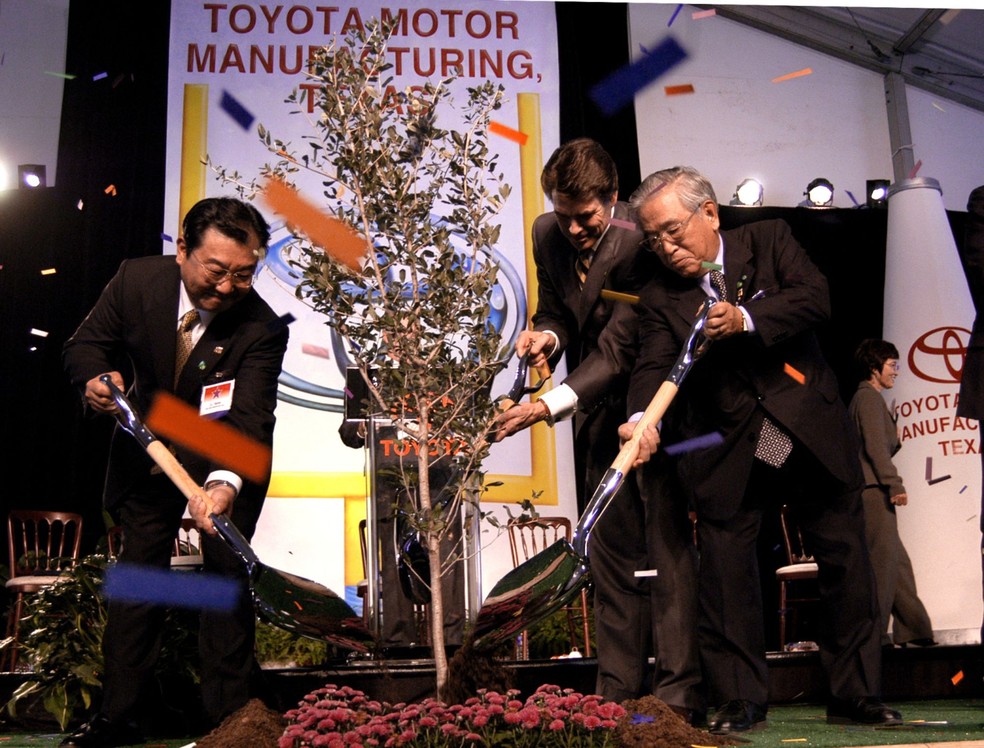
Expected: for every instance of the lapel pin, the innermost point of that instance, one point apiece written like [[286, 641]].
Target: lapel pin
[[218, 350], [201, 366]]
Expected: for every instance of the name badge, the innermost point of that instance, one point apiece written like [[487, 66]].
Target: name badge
[[217, 399]]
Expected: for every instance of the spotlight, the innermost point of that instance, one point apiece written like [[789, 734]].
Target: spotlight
[[819, 193], [31, 176], [877, 193], [748, 193]]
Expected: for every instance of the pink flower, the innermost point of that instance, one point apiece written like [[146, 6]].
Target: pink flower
[[556, 725]]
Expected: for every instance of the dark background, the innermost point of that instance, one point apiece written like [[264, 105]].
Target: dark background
[[113, 133]]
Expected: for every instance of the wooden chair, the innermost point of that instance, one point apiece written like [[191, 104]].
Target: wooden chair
[[800, 569], [42, 546], [187, 551], [526, 539]]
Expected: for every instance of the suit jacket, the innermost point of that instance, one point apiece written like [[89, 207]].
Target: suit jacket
[[741, 378], [597, 335], [972, 257], [134, 322], [879, 439]]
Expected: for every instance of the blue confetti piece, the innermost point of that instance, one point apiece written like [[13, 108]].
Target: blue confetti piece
[[236, 110], [675, 14], [167, 238], [698, 442], [99, 76], [640, 719], [619, 88], [853, 200], [281, 321], [963, 489], [182, 589]]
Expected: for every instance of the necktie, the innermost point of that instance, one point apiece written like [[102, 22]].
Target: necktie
[[184, 343], [774, 444], [717, 283], [583, 264]]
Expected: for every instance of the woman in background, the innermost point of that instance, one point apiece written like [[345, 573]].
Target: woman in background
[[878, 365]]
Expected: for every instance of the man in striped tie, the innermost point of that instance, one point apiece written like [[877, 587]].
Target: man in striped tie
[[585, 250], [764, 387]]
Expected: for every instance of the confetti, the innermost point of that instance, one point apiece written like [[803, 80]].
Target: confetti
[[174, 419], [39, 333], [915, 169], [498, 128], [686, 88], [236, 110], [315, 350], [66, 76], [929, 468], [711, 265], [638, 719], [165, 587], [853, 200], [697, 15], [797, 375], [110, 190], [623, 224], [963, 489], [675, 14], [619, 88], [645, 573], [49, 271], [628, 298], [793, 740], [942, 478], [957, 678], [790, 76], [167, 238], [937, 106], [698, 442], [337, 239], [281, 322], [99, 76]]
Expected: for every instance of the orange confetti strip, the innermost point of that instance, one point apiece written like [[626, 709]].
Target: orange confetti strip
[[498, 128], [676, 90], [790, 76], [335, 237], [111, 190], [628, 298], [957, 678], [299, 606], [174, 419], [798, 376], [697, 15]]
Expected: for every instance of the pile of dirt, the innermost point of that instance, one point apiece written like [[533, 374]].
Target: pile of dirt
[[253, 726], [650, 723]]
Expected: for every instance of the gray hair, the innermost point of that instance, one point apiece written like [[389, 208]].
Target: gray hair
[[692, 187]]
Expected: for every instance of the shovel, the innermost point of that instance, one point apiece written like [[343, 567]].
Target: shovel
[[549, 580], [293, 603]]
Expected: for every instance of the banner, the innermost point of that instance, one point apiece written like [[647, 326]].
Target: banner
[[231, 68], [928, 316]]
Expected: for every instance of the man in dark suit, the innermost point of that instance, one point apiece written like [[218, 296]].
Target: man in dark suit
[[587, 245], [972, 380], [763, 373], [236, 341]]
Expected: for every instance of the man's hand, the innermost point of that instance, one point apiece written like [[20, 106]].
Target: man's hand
[[900, 499], [648, 441], [518, 417], [217, 500], [99, 397], [539, 345], [723, 320]]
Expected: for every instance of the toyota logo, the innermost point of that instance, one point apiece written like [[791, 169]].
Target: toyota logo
[[938, 356]]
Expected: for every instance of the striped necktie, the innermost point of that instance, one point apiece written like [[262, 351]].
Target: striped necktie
[[582, 264], [184, 342]]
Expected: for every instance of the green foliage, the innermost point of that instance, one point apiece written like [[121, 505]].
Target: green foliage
[[276, 645]]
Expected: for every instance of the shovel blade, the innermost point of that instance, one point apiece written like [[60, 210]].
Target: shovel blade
[[296, 604], [529, 593]]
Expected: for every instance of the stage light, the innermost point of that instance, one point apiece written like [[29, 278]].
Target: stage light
[[819, 193], [877, 193], [749, 192], [31, 176]]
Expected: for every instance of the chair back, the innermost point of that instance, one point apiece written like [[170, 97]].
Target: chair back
[[187, 550], [529, 537], [796, 550], [42, 542]]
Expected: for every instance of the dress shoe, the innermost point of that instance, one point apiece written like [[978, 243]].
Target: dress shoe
[[864, 710], [99, 732], [737, 715]]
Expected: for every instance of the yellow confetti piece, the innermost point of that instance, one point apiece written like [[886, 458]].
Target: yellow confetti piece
[[66, 76], [793, 740], [49, 271], [798, 376], [957, 678], [790, 76], [619, 296]]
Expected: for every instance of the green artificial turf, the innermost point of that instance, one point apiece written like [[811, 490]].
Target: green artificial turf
[[789, 726]]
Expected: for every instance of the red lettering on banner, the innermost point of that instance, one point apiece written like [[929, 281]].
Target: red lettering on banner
[[957, 447]]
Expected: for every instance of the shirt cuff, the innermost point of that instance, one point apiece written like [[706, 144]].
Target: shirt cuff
[[749, 325], [561, 401], [226, 476]]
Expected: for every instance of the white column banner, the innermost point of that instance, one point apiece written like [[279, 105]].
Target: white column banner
[[928, 315]]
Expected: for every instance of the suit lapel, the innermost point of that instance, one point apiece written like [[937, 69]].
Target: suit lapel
[[739, 272], [162, 322]]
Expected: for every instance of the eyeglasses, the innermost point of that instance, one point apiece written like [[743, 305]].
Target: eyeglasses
[[673, 234], [242, 279]]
